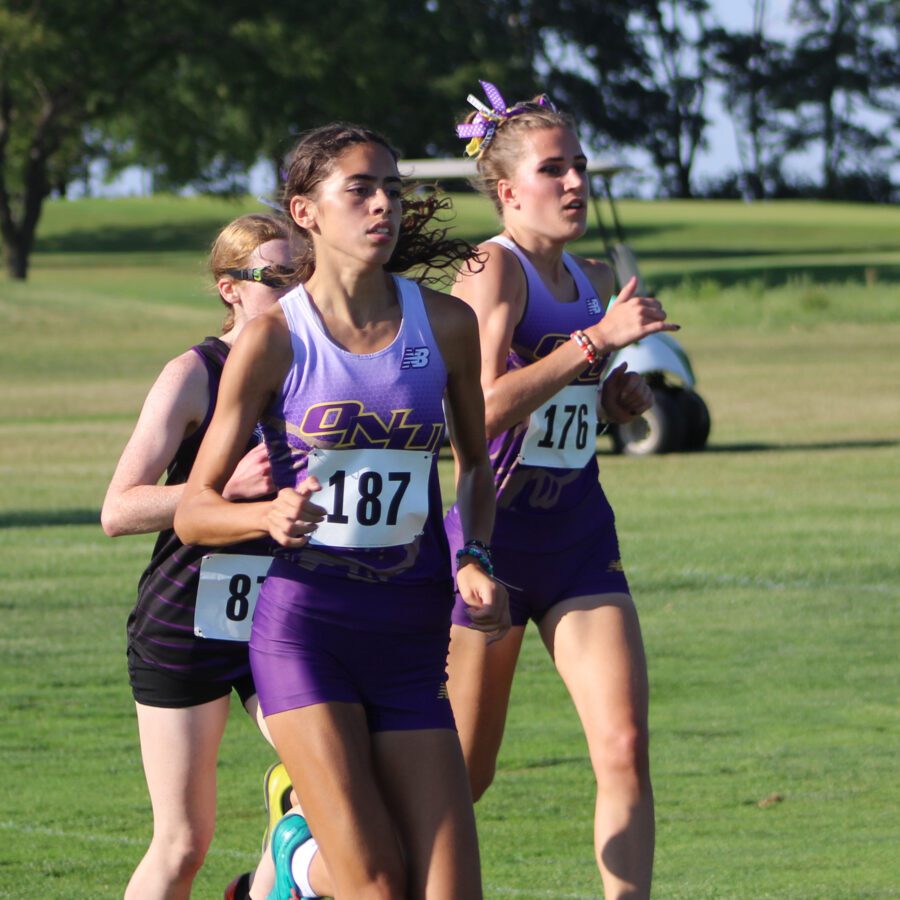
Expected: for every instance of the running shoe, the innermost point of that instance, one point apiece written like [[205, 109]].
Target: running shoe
[[277, 792], [239, 888], [287, 836]]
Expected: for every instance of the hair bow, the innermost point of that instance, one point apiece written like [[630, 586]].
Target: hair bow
[[483, 127]]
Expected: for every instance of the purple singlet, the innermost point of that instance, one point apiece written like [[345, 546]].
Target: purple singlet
[[336, 619], [554, 532]]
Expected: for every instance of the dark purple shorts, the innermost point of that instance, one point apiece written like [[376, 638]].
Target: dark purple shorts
[[538, 581], [318, 639]]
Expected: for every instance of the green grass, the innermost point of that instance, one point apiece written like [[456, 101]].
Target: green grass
[[766, 569]]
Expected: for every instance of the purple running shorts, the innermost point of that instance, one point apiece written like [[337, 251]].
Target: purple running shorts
[[319, 639]]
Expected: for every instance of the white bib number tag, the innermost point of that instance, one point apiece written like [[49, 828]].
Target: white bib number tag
[[374, 498], [227, 593], [562, 433]]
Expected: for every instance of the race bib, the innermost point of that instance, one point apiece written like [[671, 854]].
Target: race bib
[[374, 498], [227, 593], [562, 433]]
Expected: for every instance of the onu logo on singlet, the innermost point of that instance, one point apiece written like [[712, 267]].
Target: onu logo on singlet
[[415, 358], [346, 423], [549, 342]]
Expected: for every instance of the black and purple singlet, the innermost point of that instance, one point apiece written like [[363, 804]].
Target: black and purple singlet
[[161, 627]]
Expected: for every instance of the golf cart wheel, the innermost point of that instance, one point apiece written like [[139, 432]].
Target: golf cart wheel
[[661, 429], [696, 418]]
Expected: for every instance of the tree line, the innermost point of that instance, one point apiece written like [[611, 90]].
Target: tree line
[[197, 93]]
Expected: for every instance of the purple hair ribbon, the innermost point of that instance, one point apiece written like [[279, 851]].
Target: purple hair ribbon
[[482, 128]]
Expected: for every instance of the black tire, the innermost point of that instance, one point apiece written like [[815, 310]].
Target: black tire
[[659, 430], [697, 420]]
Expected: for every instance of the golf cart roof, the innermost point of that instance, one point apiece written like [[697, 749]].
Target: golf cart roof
[[465, 168]]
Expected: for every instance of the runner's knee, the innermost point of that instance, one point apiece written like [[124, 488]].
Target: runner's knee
[[622, 751]]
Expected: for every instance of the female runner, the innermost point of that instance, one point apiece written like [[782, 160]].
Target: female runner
[[348, 375], [544, 339], [181, 682]]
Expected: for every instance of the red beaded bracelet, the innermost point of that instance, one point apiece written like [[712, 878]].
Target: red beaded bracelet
[[585, 345]]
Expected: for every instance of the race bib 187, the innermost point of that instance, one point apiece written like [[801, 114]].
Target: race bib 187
[[373, 497]]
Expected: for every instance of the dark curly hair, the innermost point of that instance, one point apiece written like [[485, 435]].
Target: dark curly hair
[[424, 250]]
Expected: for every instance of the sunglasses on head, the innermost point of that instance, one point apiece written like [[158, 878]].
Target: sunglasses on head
[[270, 276]]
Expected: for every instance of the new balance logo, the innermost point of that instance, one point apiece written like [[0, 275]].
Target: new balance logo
[[415, 358], [594, 307]]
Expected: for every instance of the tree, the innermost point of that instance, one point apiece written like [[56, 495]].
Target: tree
[[845, 62], [197, 98], [634, 73], [63, 67], [676, 128], [751, 69], [289, 66]]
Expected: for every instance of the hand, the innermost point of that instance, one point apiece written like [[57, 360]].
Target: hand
[[292, 516], [252, 476], [487, 601], [628, 320], [625, 395]]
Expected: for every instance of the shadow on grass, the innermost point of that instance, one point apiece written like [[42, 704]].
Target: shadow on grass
[[695, 252], [818, 446], [760, 447], [546, 762], [777, 276], [48, 518], [195, 235]]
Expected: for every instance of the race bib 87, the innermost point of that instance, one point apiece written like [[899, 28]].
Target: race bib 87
[[226, 595]]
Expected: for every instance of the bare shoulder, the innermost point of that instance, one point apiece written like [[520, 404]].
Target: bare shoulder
[[455, 328], [496, 276], [264, 334], [600, 275], [450, 318], [183, 382], [187, 366], [262, 353]]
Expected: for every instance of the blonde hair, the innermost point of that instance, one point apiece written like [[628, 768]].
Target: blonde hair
[[499, 157], [235, 244]]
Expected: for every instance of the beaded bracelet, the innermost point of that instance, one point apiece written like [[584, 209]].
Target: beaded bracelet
[[481, 545], [585, 345], [480, 552]]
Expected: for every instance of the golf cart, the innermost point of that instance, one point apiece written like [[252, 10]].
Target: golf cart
[[679, 419]]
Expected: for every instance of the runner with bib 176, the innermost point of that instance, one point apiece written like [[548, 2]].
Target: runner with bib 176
[[546, 330]]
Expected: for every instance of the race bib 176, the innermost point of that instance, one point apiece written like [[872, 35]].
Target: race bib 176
[[562, 434]]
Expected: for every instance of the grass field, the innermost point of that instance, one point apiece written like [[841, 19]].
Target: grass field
[[766, 569]]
